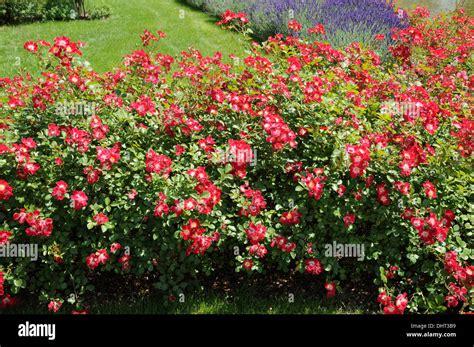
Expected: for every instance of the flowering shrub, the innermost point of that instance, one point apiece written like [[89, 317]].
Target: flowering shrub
[[187, 163]]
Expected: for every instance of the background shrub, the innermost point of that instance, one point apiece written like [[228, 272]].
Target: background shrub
[[25, 11], [60, 10], [20, 11], [99, 12]]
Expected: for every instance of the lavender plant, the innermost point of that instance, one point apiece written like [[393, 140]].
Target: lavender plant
[[358, 20], [345, 21]]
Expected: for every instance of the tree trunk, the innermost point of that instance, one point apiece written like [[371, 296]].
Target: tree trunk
[[80, 8]]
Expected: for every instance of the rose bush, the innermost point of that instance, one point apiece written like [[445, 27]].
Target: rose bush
[[187, 164]]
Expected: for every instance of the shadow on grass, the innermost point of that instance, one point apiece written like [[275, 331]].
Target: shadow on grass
[[230, 294], [213, 19]]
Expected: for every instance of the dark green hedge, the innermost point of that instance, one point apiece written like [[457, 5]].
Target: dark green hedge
[[27, 11]]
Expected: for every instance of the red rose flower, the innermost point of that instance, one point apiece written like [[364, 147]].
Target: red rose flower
[[79, 199], [248, 263], [31, 46], [6, 191], [349, 219], [255, 233], [60, 190], [100, 218], [291, 217], [384, 299], [5, 236], [401, 302], [380, 37], [391, 309], [313, 266], [430, 190], [55, 305], [331, 289], [115, 247], [294, 25], [318, 29]]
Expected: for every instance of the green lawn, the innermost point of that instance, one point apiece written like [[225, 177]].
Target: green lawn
[[227, 293], [219, 304], [110, 39], [212, 302]]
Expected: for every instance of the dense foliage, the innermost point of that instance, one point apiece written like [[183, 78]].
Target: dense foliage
[[25, 11], [178, 166]]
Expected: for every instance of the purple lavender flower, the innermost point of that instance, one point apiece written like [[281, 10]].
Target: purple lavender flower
[[345, 20]]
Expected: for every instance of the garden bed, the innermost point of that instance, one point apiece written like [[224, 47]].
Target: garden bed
[[300, 158]]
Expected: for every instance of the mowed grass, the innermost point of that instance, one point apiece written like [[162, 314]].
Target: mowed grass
[[219, 305], [210, 302], [110, 39]]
